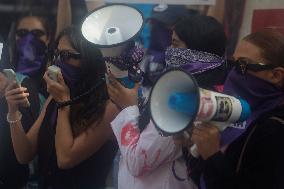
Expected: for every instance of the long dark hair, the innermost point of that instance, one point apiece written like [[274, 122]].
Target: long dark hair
[[92, 107]]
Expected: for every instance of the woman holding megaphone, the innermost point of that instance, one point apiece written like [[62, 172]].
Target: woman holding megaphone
[[148, 159], [255, 159]]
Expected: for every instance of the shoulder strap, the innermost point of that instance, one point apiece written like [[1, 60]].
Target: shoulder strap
[[280, 120]]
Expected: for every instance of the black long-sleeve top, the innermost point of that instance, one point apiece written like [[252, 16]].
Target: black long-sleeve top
[[263, 158]]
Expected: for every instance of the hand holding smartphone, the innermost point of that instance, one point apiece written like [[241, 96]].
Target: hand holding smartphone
[[11, 76]]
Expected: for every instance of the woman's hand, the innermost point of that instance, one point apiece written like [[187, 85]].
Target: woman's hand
[[207, 139], [120, 95], [184, 139], [3, 84], [16, 96], [57, 89]]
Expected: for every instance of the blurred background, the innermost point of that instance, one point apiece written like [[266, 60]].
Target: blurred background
[[10, 10]]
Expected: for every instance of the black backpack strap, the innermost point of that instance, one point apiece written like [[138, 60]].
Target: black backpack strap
[[280, 120]]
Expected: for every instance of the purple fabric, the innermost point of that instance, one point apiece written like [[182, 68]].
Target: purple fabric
[[31, 56], [260, 94], [161, 38], [127, 59], [72, 76], [193, 61]]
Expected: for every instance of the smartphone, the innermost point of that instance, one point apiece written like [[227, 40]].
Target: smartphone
[[11, 75], [53, 72], [107, 79]]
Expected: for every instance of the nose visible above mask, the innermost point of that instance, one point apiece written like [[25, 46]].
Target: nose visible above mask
[[31, 55]]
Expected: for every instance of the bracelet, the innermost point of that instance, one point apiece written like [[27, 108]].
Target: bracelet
[[14, 121]]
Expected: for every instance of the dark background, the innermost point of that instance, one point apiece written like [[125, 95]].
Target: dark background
[[11, 10]]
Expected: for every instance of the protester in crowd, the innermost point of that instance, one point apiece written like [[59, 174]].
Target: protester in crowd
[[33, 36], [10, 169], [162, 21], [148, 159], [79, 155], [255, 159]]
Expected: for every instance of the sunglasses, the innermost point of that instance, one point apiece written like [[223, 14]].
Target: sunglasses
[[35, 32], [66, 55], [244, 64]]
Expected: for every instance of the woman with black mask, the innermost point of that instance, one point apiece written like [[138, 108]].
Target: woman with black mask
[[82, 142]]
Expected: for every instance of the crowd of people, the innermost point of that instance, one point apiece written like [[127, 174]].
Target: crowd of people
[[105, 130]]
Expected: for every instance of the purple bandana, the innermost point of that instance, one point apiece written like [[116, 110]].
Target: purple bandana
[[260, 94], [127, 59], [31, 56], [193, 61], [71, 75]]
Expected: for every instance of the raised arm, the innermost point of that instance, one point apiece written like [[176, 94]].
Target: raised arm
[[64, 16], [25, 144], [142, 151], [70, 148]]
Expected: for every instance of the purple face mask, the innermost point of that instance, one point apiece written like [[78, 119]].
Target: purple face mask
[[260, 94], [31, 56], [72, 76], [193, 61]]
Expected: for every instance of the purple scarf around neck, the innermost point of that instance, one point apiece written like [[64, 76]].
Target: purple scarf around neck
[[193, 61], [260, 94]]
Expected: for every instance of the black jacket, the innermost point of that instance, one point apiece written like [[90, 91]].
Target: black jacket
[[262, 165]]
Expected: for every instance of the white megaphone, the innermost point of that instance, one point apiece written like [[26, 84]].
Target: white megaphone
[[112, 28], [176, 102]]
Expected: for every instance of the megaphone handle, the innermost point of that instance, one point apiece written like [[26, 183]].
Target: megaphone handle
[[221, 127], [193, 151]]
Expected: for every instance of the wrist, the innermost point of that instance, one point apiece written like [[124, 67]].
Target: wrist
[[64, 109], [12, 109], [210, 154], [14, 117]]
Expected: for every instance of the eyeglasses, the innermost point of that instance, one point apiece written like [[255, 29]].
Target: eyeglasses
[[66, 55], [244, 64], [35, 32]]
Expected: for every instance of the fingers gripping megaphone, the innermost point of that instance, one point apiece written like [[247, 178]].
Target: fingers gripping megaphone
[[176, 102]]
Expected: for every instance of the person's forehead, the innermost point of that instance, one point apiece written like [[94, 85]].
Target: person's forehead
[[248, 50], [30, 23], [64, 44]]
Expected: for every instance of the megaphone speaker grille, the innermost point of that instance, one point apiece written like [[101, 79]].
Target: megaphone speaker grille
[[167, 120]]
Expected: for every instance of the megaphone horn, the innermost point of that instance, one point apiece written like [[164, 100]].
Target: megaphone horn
[[112, 28], [176, 102]]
